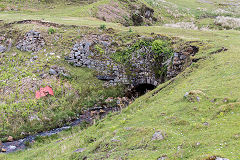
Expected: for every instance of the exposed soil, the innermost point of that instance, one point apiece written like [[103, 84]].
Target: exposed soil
[[41, 23], [112, 12]]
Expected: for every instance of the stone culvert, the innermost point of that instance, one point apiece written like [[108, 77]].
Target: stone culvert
[[137, 70], [31, 42]]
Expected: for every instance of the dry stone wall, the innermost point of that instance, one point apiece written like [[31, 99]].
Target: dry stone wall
[[82, 56]]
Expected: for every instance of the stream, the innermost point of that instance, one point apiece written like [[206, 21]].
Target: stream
[[87, 116]]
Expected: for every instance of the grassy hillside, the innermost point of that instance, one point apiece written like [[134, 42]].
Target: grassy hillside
[[203, 124], [187, 14], [23, 73]]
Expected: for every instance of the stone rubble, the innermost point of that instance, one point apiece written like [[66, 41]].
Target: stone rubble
[[31, 42]]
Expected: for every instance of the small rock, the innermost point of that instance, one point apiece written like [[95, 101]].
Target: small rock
[[35, 57], [158, 135], [43, 75], [23, 133], [3, 150], [198, 99], [12, 147], [10, 139], [128, 128], [79, 150], [186, 94], [219, 158], [213, 100], [163, 157], [2, 49], [102, 111], [225, 100], [109, 99], [205, 124], [66, 75], [52, 72], [115, 140], [14, 54], [34, 117]]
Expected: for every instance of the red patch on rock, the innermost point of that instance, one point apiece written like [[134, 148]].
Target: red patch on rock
[[44, 92]]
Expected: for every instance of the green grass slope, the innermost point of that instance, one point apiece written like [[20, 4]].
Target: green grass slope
[[202, 13], [194, 130], [22, 75]]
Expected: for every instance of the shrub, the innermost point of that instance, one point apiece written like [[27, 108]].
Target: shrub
[[51, 31], [161, 48], [102, 27]]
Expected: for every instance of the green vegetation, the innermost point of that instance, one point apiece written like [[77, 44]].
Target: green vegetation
[[99, 49], [21, 76], [161, 52], [102, 27], [130, 30], [194, 129], [51, 31]]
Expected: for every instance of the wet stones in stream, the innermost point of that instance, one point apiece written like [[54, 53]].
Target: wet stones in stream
[[88, 116]]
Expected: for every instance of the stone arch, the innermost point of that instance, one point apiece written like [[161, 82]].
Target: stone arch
[[140, 86]]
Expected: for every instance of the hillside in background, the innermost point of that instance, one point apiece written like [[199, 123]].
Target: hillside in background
[[192, 111]]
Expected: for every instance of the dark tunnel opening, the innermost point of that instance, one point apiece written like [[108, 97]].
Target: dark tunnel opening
[[139, 90]]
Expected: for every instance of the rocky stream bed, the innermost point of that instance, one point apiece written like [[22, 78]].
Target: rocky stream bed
[[87, 117]]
